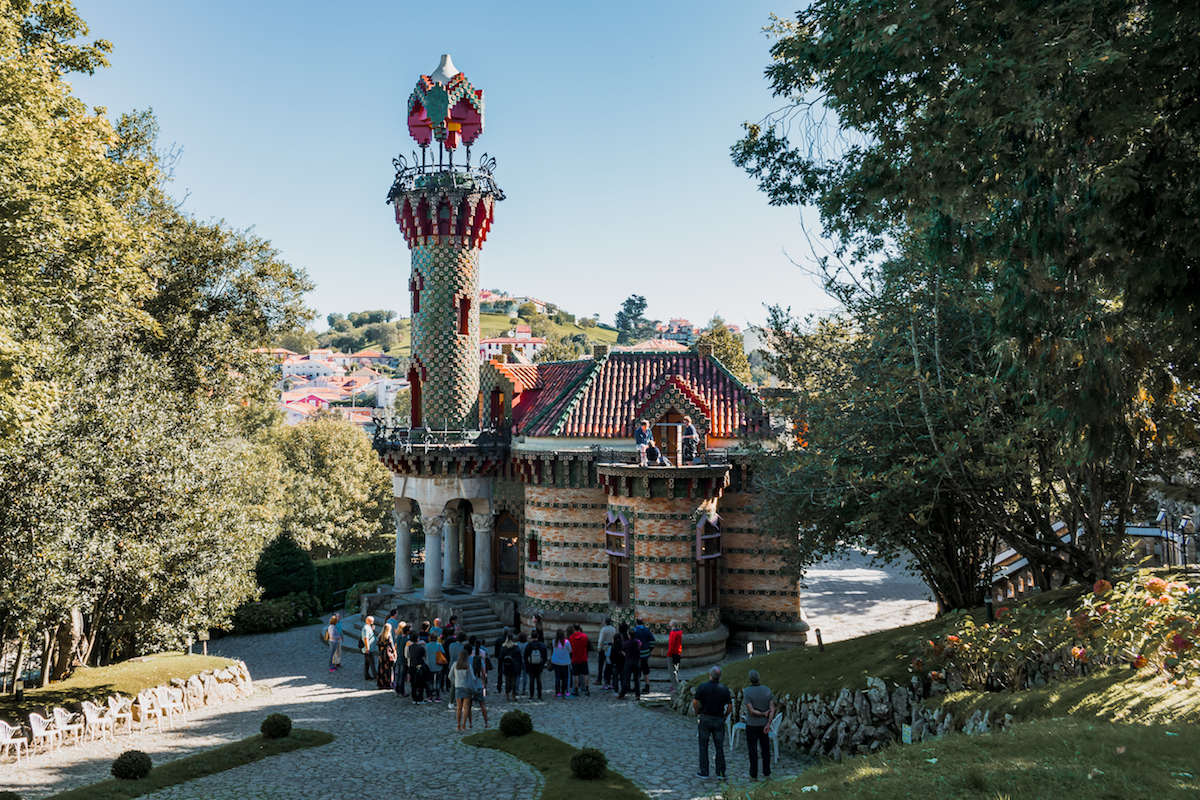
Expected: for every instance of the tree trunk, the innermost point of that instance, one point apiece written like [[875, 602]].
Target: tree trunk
[[70, 634], [47, 654], [19, 666]]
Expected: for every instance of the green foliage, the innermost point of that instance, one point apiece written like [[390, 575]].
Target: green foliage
[[632, 325], [589, 763], [556, 351], [516, 723], [727, 347], [552, 759], [284, 568], [339, 495], [264, 616], [6, 795], [131, 765], [276, 726], [342, 572], [355, 593]]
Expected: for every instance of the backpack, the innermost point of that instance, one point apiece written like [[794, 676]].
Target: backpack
[[534, 656], [509, 664], [477, 666]]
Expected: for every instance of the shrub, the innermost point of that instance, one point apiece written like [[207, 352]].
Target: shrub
[[516, 723], [284, 569], [9, 796], [358, 590], [342, 572], [589, 763], [262, 616], [276, 726], [131, 765]]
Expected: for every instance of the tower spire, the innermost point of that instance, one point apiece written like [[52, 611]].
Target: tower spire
[[445, 214]]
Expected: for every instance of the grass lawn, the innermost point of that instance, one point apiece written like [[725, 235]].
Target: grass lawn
[[182, 770], [552, 758], [127, 678], [1050, 759], [494, 325]]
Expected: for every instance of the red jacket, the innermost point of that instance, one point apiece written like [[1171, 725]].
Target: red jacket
[[579, 647], [675, 643]]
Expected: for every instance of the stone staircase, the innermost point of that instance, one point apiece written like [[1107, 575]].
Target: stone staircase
[[475, 616]]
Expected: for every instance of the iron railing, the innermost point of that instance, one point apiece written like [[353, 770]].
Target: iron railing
[[415, 175]]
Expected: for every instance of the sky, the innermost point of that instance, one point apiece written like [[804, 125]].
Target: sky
[[610, 123]]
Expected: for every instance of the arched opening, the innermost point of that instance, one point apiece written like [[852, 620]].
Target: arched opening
[[497, 414], [464, 316], [506, 555], [708, 557], [667, 435]]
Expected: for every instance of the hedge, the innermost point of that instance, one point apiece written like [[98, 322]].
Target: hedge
[[263, 616], [343, 572]]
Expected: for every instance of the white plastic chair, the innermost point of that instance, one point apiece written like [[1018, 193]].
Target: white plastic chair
[[170, 705], [11, 740], [65, 723], [148, 709], [43, 731], [96, 721], [772, 734], [120, 709]]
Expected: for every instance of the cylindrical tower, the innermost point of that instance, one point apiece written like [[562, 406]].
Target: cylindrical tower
[[445, 213]]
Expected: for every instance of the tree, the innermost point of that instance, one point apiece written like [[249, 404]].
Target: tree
[[1041, 152], [527, 311], [727, 347], [556, 351], [632, 325], [298, 341], [339, 495]]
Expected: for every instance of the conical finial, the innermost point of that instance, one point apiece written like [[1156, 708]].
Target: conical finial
[[444, 72]]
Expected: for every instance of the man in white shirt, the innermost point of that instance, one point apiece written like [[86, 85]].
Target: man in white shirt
[[608, 635]]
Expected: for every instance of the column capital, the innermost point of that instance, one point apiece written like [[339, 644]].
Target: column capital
[[450, 516], [432, 524], [482, 522]]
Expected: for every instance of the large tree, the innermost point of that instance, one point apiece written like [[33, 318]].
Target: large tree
[[727, 347], [1044, 151]]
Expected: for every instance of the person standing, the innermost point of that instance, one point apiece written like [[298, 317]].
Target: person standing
[[689, 439], [643, 439], [631, 650], [604, 646], [523, 675], [675, 652], [479, 673], [386, 675], [560, 658], [536, 658], [510, 665], [401, 638], [645, 638], [579, 661], [333, 635], [436, 661], [416, 667], [463, 686], [712, 703], [368, 648], [759, 703]]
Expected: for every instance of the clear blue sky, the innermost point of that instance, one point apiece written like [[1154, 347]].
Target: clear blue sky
[[611, 124]]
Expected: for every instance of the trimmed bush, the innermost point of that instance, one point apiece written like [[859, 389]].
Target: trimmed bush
[[342, 572], [516, 723], [263, 616], [276, 726], [589, 763], [285, 569], [131, 765]]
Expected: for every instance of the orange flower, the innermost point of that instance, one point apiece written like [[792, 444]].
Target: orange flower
[[1166, 600], [1101, 587], [1156, 586], [1079, 654], [1103, 609], [1002, 612], [1140, 662], [952, 639]]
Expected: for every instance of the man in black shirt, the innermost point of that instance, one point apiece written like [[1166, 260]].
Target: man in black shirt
[[712, 703]]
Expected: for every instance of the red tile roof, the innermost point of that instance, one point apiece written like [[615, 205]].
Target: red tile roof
[[603, 398]]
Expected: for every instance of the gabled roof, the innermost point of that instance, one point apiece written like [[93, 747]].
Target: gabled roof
[[602, 398]]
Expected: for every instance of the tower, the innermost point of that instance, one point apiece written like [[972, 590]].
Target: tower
[[445, 213]]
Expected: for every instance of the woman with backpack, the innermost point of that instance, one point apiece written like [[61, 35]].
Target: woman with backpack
[[510, 664], [560, 658], [333, 635], [535, 661]]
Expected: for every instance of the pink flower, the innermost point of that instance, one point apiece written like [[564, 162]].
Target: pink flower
[[1156, 586], [1179, 643]]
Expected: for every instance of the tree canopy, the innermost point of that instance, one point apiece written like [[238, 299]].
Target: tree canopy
[[1011, 194], [727, 347]]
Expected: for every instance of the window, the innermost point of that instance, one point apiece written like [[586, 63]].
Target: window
[[415, 285], [533, 550], [667, 433], [507, 532], [706, 583], [414, 393], [616, 537], [616, 544], [708, 538], [464, 316]]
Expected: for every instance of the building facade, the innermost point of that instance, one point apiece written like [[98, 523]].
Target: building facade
[[526, 477]]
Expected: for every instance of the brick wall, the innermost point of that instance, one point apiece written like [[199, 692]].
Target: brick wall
[[753, 587], [572, 569]]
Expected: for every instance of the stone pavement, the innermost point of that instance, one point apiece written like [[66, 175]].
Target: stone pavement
[[385, 741]]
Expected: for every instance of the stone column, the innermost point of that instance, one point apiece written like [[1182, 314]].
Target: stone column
[[484, 583], [450, 531], [433, 557], [403, 583]]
